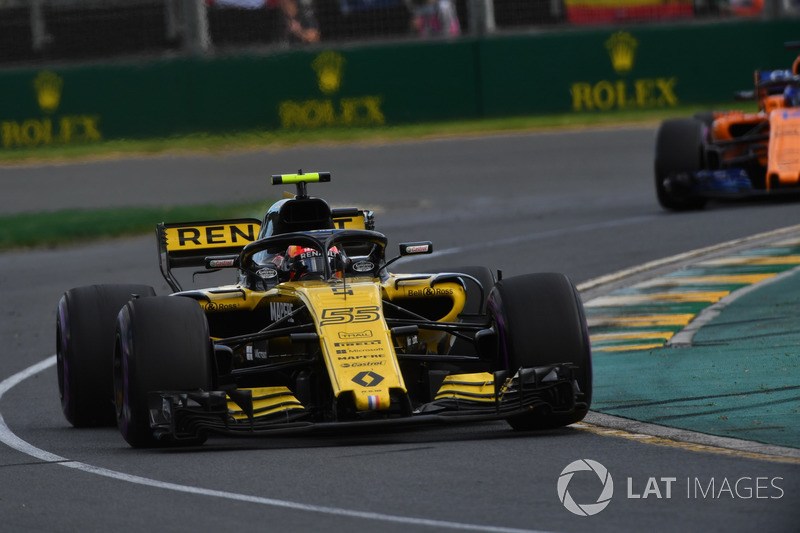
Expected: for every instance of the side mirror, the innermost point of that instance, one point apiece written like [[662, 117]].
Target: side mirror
[[215, 262], [411, 248], [416, 248]]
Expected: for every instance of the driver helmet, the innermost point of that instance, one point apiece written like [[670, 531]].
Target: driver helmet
[[791, 95], [304, 263]]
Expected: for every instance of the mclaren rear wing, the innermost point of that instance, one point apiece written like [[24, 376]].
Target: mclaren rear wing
[[187, 244]]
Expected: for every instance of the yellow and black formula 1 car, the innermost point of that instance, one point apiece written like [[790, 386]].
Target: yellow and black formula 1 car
[[317, 333]]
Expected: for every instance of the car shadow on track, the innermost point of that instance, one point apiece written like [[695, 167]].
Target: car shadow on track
[[333, 439]]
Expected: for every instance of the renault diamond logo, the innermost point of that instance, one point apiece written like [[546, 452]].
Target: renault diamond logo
[[367, 378]]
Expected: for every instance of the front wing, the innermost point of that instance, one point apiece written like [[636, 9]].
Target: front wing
[[461, 398], [732, 183]]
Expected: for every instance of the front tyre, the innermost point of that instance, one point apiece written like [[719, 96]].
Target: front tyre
[[163, 344], [540, 321], [679, 150], [84, 350]]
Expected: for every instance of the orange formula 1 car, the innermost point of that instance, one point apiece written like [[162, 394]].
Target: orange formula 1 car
[[734, 153]]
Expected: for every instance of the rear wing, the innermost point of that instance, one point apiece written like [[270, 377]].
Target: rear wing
[[187, 244], [352, 218]]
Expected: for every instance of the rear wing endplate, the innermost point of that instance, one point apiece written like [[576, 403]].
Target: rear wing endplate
[[187, 244]]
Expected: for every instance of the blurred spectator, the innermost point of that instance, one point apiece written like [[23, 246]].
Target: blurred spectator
[[435, 17], [745, 8], [298, 24], [244, 4]]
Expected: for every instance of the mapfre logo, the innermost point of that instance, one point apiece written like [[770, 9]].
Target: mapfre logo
[[585, 509]]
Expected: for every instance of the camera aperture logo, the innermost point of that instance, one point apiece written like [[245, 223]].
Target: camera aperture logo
[[585, 486], [585, 509]]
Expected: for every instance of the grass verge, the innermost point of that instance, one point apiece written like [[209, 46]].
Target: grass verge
[[254, 140], [70, 226], [76, 225]]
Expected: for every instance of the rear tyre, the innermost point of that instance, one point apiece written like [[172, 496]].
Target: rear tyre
[[85, 348], [679, 149], [540, 321], [162, 344]]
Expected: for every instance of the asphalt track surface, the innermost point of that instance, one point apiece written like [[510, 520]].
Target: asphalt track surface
[[581, 203]]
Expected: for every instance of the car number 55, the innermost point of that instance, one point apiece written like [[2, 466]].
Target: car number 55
[[345, 315]]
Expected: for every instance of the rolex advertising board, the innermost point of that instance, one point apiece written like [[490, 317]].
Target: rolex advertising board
[[391, 83], [629, 69], [380, 85], [79, 105], [370, 86], [40, 121]]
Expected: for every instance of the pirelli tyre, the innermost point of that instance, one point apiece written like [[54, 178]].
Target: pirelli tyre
[[540, 320], [679, 153], [162, 344], [84, 350]]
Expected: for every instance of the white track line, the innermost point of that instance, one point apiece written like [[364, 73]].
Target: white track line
[[622, 274], [683, 339], [526, 237], [9, 438]]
